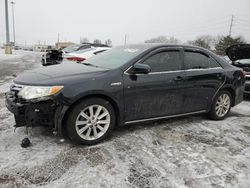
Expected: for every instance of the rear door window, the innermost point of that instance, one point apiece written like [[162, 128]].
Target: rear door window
[[198, 60]]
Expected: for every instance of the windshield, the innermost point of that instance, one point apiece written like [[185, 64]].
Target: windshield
[[115, 57], [243, 61], [72, 48]]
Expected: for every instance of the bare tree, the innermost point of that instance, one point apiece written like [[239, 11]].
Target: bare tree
[[108, 42], [173, 40], [163, 39], [84, 40], [97, 41], [205, 41]]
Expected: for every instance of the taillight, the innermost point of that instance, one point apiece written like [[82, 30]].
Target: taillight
[[75, 58]]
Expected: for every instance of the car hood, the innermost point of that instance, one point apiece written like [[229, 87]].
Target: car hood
[[65, 73], [239, 51]]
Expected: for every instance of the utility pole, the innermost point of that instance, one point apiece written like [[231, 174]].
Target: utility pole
[[125, 40], [58, 40], [13, 20], [7, 45], [231, 25], [7, 23]]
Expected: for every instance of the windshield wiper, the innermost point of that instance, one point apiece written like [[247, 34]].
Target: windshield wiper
[[89, 64], [96, 66]]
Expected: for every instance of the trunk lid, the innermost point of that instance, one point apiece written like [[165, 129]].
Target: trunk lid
[[238, 51]]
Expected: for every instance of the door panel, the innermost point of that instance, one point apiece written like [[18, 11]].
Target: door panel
[[159, 93], [152, 95], [201, 86], [204, 77]]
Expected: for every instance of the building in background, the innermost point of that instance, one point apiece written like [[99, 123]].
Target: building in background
[[61, 45], [42, 47]]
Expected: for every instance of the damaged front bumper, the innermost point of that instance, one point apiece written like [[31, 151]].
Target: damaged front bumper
[[36, 113], [31, 114]]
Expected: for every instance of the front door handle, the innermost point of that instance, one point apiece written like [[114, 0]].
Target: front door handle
[[178, 78]]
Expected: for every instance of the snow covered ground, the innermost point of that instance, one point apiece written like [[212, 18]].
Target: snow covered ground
[[182, 152]]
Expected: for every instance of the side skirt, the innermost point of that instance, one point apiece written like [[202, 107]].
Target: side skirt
[[165, 117]]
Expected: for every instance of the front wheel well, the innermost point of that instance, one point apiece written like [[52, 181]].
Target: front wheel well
[[105, 97]]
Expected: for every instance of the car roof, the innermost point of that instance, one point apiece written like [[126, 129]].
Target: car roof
[[158, 45], [92, 44]]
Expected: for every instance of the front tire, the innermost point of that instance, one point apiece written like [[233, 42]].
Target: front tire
[[221, 105], [90, 121]]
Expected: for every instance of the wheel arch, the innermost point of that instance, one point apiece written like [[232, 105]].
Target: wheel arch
[[211, 112], [96, 95], [227, 88], [231, 91]]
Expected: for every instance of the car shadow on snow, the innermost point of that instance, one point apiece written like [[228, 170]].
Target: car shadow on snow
[[166, 124], [120, 131]]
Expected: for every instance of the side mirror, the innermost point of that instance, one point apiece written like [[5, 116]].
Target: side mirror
[[139, 68]]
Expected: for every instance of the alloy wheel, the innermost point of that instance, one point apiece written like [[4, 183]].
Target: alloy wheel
[[222, 105], [92, 122]]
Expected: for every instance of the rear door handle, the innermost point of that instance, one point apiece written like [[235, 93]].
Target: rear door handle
[[178, 78]]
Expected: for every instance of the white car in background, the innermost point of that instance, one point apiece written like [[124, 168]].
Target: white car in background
[[81, 55], [76, 47]]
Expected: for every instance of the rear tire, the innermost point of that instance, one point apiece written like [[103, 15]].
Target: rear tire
[[90, 121], [221, 105]]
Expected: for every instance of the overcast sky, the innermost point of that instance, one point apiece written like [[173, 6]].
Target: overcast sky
[[42, 20]]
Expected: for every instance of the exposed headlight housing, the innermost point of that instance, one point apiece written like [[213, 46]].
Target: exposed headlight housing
[[37, 92]]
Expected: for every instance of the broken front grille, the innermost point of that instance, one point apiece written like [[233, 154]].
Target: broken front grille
[[15, 88]]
